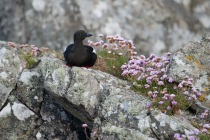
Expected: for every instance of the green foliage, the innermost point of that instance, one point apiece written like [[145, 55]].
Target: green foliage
[[31, 61], [204, 137], [182, 101], [113, 62]]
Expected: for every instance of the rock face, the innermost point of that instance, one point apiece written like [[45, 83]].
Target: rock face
[[155, 26], [193, 60], [52, 101]]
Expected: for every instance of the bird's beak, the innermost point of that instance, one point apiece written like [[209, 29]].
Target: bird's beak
[[88, 35]]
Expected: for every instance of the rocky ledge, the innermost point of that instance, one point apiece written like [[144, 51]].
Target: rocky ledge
[[52, 101]]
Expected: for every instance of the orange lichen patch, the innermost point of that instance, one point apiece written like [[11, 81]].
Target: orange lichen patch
[[206, 89], [201, 98], [195, 60]]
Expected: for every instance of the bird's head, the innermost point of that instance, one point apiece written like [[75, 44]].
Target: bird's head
[[81, 35]]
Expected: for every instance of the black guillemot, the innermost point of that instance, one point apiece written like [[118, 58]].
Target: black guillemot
[[78, 54]]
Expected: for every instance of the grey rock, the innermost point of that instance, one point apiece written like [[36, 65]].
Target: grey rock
[[58, 123], [192, 60], [29, 89], [17, 121], [10, 70], [107, 105], [51, 98]]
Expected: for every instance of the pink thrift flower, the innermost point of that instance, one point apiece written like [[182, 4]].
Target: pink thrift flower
[[172, 96], [105, 45], [186, 93], [124, 66], [168, 54], [161, 102], [174, 102], [198, 93], [196, 131], [165, 98], [150, 93], [189, 98], [154, 95], [160, 83], [146, 86], [176, 135], [159, 65], [155, 92], [194, 97], [206, 126], [84, 125], [152, 56], [180, 85], [168, 108], [148, 105], [170, 80], [204, 130], [202, 116], [163, 77]]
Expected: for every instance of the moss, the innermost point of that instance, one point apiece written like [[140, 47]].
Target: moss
[[204, 137], [31, 61]]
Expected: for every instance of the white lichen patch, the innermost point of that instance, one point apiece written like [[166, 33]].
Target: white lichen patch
[[143, 124], [60, 77], [121, 117], [64, 116], [2, 52], [38, 135], [178, 61], [3, 75], [163, 119], [21, 111], [26, 76], [93, 101], [38, 5], [6, 111], [202, 82], [36, 97], [124, 133]]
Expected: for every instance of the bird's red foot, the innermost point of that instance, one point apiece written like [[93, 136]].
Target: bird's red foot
[[68, 65], [87, 67]]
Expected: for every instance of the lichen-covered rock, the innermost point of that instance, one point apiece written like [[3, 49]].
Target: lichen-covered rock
[[46, 99], [193, 60], [107, 105], [17, 121], [10, 70], [58, 123], [30, 88]]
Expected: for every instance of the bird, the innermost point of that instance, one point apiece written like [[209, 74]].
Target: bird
[[78, 54]]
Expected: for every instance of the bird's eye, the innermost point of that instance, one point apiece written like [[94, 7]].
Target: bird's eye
[[79, 34]]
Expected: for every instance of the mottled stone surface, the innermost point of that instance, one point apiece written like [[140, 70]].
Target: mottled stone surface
[[26, 111], [10, 70], [155, 26], [17, 121], [52, 101], [193, 60], [58, 123]]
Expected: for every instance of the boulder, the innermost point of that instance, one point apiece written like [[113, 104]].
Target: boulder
[[193, 60]]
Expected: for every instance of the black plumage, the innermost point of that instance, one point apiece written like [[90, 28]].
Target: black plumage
[[78, 54]]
